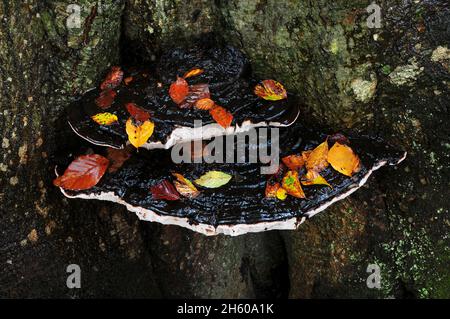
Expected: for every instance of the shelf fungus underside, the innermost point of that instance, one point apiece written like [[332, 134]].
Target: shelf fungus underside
[[240, 206]]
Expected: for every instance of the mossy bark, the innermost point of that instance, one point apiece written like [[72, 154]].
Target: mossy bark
[[392, 81]]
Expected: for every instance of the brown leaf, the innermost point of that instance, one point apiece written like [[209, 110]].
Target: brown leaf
[[221, 116], [185, 186], [338, 137], [105, 99], [113, 79], [83, 173], [117, 158], [178, 90], [293, 162], [164, 190], [128, 80], [137, 113], [343, 159]]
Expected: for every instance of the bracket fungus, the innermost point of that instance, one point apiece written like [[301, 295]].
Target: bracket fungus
[[313, 170]]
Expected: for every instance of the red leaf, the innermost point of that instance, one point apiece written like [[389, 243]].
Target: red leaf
[[83, 173], [164, 190], [178, 90], [113, 79], [221, 116], [196, 92], [137, 113], [105, 99]]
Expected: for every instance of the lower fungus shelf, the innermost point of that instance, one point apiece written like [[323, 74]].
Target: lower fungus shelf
[[239, 206]]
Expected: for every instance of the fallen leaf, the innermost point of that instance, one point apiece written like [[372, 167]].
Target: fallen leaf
[[138, 135], [105, 118], [343, 159], [105, 99], [196, 92], [213, 179], [271, 189], [178, 90], [317, 159], [292, 185], [185, 186], [293, 162], [270, 90], [281, 193], [164, 190], [83, 173], [113, 79], [193, 72], [204, 104], [137, 113], [117, 158], [314, 179], [221, 116], [128, 80]]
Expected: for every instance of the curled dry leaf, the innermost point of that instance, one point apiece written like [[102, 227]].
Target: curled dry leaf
[[83, 173], [293, 162], [164, 190], [292, 185], [317, 159], [117, 157], [185, 186], [270, 90], [313, 178], [213, 179], [204, 104], [105, 118], [343, 159], [139, 134], [193, 72], [137, 113], [105, 99], [221, 116], [196, 92], [178, 90], [113, 79]]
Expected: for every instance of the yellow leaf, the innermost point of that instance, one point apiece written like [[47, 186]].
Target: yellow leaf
[[343, 159], [315, 179], [317, 160], [105, 118], [138, 135], [281, 193], [213, 179], [185, 186]]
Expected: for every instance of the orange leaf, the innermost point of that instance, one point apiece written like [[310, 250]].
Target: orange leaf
[[221, 116], [293, 162], [105, 99], [317, 159], [196, 92], [292, 184], [113, 78], [193, 72], [315, 179], [271, 189], [343, 159], [178, 90], [137, 113], [185, 186], [138, 135], [83, 173], [128, 80], [270, 90], [204, 104], [105, 118]]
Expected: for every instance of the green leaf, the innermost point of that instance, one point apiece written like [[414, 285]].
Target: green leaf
[[213, 179]]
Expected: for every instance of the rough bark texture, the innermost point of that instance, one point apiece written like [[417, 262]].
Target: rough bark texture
[[392, 81]]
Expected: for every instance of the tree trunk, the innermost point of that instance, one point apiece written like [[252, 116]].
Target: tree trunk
[[391, 81]]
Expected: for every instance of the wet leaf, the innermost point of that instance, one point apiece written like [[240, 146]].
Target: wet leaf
[[205, 104], [313, 178], [117, 158], [105, 118], [213, 179], [164, 190], [196, 92], [292, 185], [193, 72], [317, 160], [293, 162], [137, 113], [105, 99], [113, 79], [139, 134], [83, 173], [343, 159], [221, 116], [185, 186], [270, 90], [178, 90]]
